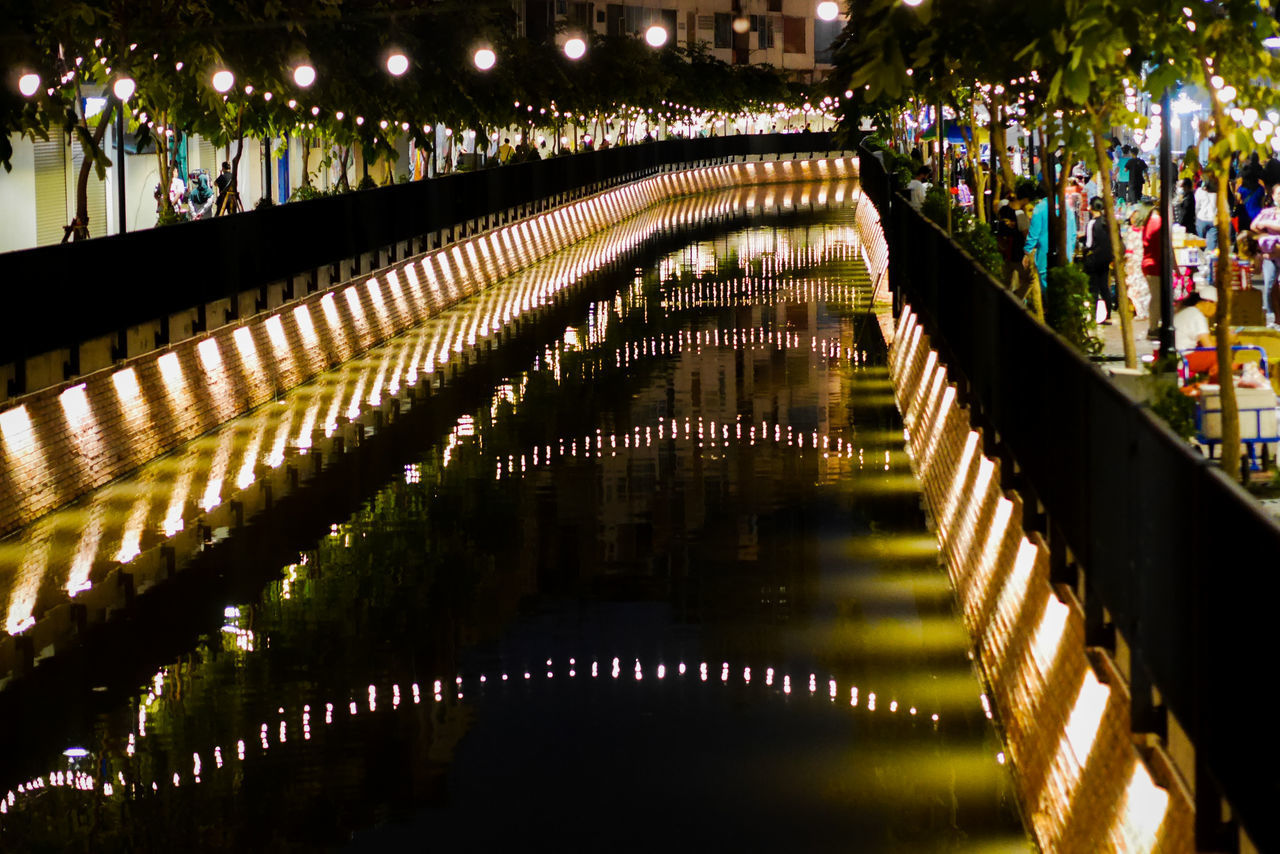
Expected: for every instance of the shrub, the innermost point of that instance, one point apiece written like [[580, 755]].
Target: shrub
[[936, 200], [306, 192], [1176, 408], [367, 183], [1069, 309], [976, 239]]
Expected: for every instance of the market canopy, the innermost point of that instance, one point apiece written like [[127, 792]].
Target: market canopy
[[955, 133]]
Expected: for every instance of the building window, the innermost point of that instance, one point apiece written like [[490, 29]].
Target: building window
[[824, 34], [762, 26], [793, 35], [724, 30], [775, 5]]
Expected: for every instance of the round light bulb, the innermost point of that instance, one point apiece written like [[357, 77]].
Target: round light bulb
[[223, 80], [574, 48], [656, 36], [397, 64], [304, 75], [124, 88], [28, 84], [484, 59], [913, 2], [742, 24], [828, 10]]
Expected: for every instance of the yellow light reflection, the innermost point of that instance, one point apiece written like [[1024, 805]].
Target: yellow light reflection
[[86, 552]]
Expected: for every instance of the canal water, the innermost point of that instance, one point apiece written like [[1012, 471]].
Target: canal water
[[655, 575]]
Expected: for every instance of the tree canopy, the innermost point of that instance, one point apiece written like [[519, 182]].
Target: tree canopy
[[171, 48]]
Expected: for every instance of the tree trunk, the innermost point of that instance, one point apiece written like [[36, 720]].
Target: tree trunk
[[975, 163], [1000, 181], [1034, 294], [80, 224], [166, 170], [306, 160], [1221, 168], [1117, 247], [1050, 181], [1002, 134], [234, 190]]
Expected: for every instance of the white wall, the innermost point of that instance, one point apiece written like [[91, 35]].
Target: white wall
[[141, 174], [18, 198]]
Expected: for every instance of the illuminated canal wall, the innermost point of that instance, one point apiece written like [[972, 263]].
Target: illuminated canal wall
[[1064, 710], [63, 441]]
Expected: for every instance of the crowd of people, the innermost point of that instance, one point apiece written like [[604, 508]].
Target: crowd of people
[[1020, 221], [196, 196]]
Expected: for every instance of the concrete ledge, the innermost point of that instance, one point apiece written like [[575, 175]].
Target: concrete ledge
[[1083, 784]]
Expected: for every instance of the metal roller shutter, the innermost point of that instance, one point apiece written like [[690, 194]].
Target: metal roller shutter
[[51, 188]]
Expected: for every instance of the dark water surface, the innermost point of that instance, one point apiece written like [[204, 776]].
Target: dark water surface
[[665, 584]]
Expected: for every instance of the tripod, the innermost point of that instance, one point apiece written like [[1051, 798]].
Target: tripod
[[230, 203]]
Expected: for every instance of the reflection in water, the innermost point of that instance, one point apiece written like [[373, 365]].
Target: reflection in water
[[676, 564], [56, 557]]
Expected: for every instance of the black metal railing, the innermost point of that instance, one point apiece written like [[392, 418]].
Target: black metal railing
[[76, 292], [1175, 557]]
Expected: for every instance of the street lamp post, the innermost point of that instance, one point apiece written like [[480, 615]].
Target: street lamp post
[[120, 202], [123, 89], [1166, 226]]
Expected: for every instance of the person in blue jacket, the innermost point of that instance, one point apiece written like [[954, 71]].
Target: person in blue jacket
[[1037, 243]]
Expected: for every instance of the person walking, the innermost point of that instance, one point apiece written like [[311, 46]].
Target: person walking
[[1184, 206], [1207, 219], [1271, 172], [505, 151], [1137, 175], [1153, 266], [1251, 195], [223, 183], [1190, 166], [1263, 238], [917, 188], [1097, 257], [1122, 173], [1037, 246], [178, 193]]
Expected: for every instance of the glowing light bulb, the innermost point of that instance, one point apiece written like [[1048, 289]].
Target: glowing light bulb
[[397, 64], [828, 10], [656, 36], [484, 59], [223, 80], [304, 75], [124, 88], [28, 84], [574, 48]]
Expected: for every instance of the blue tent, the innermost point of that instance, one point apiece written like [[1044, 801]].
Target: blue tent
[[955, 133]]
